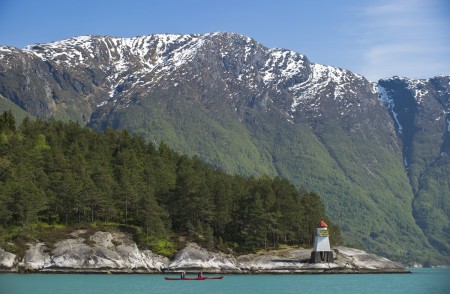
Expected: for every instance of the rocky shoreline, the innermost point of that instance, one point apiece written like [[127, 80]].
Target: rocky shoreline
[[115, 252]]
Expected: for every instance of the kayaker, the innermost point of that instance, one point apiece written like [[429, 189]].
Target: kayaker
[[200, 275], [183, 275]]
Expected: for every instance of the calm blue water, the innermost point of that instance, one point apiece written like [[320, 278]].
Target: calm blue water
[[420, 281]]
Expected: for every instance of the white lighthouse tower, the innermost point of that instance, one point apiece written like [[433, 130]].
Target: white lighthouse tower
[[321, 251]]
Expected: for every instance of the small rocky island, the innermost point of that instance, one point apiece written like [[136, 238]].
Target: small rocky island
[[116, 252]]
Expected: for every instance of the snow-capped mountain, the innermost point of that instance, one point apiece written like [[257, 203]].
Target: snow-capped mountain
[[122, 67], [373, 151]]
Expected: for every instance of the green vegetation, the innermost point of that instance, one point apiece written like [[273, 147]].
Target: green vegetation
[[358, 174], [215, 135], [426, 146], [8, 105], [364, 186], [56, 177], [429, 172]]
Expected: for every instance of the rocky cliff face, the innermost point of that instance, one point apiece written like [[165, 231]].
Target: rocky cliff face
[[106, 252], [376, 153]]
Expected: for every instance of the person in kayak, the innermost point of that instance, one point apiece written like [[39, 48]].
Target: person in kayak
[[200, 275], [183, 275]]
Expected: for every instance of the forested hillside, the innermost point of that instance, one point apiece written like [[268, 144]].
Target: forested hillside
[[62, 173]]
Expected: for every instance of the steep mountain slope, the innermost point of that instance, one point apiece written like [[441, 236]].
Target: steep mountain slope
[[253, 110], [421, 110]]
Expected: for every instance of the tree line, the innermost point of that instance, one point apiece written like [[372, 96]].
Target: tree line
[[63, 173]]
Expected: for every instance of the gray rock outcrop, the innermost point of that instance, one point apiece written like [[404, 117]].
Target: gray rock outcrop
[[106, 252], [195, 258], [36, 258], [115, 252], [347, 260], [7, 261]]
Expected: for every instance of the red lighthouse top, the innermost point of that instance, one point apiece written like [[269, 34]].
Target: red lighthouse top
[[322, 224]]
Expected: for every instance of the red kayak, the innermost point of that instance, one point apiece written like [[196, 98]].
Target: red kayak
[[194, 279]]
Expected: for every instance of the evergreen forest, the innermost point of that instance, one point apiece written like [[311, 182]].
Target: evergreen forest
[[58, 175]]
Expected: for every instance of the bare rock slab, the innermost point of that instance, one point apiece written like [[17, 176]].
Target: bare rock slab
[[195, 258], [116, 252], [8, 261]]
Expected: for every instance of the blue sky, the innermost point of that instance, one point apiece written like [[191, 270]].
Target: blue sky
[[375, 38]]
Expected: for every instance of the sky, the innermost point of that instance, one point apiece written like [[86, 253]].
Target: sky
[[374, 38]]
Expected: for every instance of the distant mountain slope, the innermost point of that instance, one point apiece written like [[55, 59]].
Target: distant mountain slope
[[421, 110], [253, 110]]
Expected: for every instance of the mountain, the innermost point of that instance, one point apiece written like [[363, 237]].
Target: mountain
[[377, 153]]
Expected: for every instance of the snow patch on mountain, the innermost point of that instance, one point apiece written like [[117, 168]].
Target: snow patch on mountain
[[418, 88], [123, 59], [6, 53], [5, 49], [158, 52], [154, 55], [67, 52], [388, 102], [321, 80], [282, 64]]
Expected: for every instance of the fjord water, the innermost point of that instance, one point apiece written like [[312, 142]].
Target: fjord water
[[420, 281]]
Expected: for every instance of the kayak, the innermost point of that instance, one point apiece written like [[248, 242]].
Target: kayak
[[194, 279], [187, 279]]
